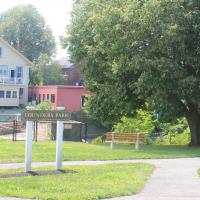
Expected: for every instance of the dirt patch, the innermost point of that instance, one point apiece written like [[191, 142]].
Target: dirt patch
[[38, 173]]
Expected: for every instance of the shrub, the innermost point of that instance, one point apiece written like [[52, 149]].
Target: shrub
[[143, 122], [178, 139], [175, 133], [44, 106]]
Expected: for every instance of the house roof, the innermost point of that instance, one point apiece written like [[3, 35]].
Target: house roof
[[64, 62], [15, 51]]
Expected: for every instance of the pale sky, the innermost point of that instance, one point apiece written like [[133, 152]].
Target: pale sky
[[55, 12]]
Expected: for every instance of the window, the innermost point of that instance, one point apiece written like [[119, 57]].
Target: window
[[21, 93], [12, 73], [3, 70], [8, 94], [52, 98], [19, 71], [34, 97], [2, 92], [82, 100], [0, 51], [14, 94], [39, 98], [48, 97], [43, 97]]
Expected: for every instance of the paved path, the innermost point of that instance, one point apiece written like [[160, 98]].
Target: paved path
[[173, 179]]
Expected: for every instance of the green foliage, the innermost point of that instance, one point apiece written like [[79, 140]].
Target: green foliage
[[173, 128], [25, 28], [135, 50], [93, 125], [45, 71], [44, 106], [178, 139], [174, 133], [142, 122], [94, 46]]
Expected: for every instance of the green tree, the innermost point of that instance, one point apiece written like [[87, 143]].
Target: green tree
[[25, 29], [135, 50], [45, 71]]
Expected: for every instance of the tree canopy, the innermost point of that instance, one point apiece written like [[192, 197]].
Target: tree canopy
[[45, 71], [137, 51], [25, 29]]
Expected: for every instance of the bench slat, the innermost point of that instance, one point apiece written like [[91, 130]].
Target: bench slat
[[124, 137], [121, 142]]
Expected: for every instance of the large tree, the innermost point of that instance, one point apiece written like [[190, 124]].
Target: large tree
[[25, 29], [136, 50], [46, 71]]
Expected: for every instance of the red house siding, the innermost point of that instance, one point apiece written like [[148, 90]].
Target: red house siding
[[69, 97]]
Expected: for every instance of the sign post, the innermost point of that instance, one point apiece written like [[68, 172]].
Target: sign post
[[28, 153], [38, 115], [59, 141]]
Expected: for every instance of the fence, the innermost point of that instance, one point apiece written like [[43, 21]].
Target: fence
[[11, 127], [10, 124]]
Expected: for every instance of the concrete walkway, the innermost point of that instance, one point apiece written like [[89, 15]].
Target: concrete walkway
[[173, 179]]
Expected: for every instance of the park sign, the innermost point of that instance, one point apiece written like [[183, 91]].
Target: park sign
[[45, 115]]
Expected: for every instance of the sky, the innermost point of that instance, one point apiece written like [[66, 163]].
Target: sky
[[55, 12]]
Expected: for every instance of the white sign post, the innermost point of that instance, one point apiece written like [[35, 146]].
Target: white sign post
[[59, 142], [60, 115], [29, 138]]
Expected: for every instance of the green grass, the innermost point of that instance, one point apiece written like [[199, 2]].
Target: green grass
[[90, 182], [45, 151]]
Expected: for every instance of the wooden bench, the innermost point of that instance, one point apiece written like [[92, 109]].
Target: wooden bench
[[124, 138]]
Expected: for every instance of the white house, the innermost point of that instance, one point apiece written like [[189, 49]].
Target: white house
[[14, 76]]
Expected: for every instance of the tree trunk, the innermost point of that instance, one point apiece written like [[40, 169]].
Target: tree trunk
[[193, 120]]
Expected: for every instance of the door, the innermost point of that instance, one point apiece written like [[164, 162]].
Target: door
[[12, 75]]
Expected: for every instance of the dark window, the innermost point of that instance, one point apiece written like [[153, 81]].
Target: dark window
[[43, 97], [8, 94], [39, 98], [2, 92], [52, 98], [48, 97], [21, 93], [0, 51], [34, 97], [14, 95]]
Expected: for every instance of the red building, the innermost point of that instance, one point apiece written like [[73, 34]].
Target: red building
[[70, 97], [72, 72]]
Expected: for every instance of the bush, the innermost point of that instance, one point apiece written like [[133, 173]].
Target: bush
[[174, 133], [178, 139], [143, 122], [44, 106]]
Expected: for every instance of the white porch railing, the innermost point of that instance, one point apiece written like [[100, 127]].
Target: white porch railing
[[9, 80]]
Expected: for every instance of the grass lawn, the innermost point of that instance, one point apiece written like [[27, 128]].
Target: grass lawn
[[90, 182], [45, 151]]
